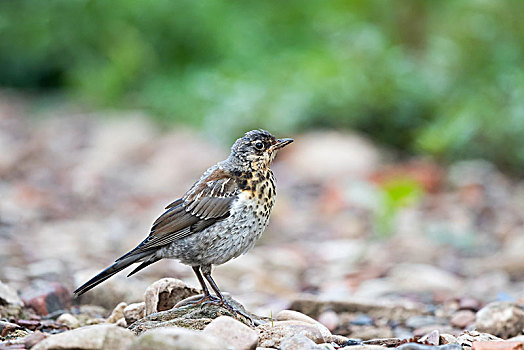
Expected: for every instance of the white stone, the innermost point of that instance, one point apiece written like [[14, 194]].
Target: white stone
[[234, 333], [97, 337]]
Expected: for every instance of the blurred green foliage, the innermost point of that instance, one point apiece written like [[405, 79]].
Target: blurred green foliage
[[438, 77]]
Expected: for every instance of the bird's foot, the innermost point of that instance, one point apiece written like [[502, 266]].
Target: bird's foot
[[237, 312], [193, 301]]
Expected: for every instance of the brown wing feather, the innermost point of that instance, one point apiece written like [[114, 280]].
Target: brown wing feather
[[207, 202]]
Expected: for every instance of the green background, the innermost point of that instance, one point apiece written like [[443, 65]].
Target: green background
[[443, 78]]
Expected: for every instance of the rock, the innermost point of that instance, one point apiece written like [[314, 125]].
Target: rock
[[497, 345], [31, 324], [468, 303], [326, 346], [519, 338], [462, 318], [121, 323], [190, 316], [134, 312], [47, 297], [93, 321], [466, 338], [69, 320], [234, 333], [298, 342], [6, 328], [420, 332], [337, 339], [175, 338], [117, 314], [361, 320], [417, 346], [10, 303], [272, 334], [448, 339], [290, 315], [433, 338], [397, 311], [8, 295], [503, 319], [103, 337], [329, 319], [164, 294], [34, 338]]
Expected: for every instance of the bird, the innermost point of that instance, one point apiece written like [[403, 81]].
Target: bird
[[219, 218]]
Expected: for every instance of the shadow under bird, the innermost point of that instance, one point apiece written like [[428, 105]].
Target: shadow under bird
[[219, 218]]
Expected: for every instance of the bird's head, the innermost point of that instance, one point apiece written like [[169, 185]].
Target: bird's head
[[257, 149]]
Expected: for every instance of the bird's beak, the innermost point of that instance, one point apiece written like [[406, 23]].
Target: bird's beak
[[281, 143]]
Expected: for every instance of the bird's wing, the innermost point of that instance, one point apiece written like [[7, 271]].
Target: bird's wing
[[208, 201]]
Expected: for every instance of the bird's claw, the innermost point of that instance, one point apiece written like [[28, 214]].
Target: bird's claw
[[237, 312], [206, 299]]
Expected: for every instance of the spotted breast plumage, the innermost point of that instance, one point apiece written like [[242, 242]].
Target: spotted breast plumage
[[219, 218]]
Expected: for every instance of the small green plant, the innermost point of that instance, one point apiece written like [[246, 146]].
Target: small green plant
[[397, 193]]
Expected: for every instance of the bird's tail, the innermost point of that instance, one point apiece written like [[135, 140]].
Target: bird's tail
[[118, 266]]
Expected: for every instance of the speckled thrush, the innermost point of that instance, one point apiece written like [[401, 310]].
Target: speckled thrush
[[219, 218]]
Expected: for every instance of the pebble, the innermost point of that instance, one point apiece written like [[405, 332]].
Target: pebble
[[468, 303], [121, 323], [134, 312], [176, 338], [47, 297], [165, 293], [497, 345], [446, 338], [466, 338], [298, 342], [103, 336], [519, 338], [290, 315], [433, 338], [34, 338], [8, 295], [416, 346], [340, 340], [234, 333], [329, 319], [69, 320], [463, 318], [7, 327], [362, 320], [420, 332], [503, 319], [271, 335], [117, 313]]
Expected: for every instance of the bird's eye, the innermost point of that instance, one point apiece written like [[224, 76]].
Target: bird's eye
[[259, 145]]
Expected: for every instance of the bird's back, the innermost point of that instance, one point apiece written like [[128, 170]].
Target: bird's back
[[238, 232]]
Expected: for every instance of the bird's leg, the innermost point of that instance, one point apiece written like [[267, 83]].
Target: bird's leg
[[222, 301], [207, 297]]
